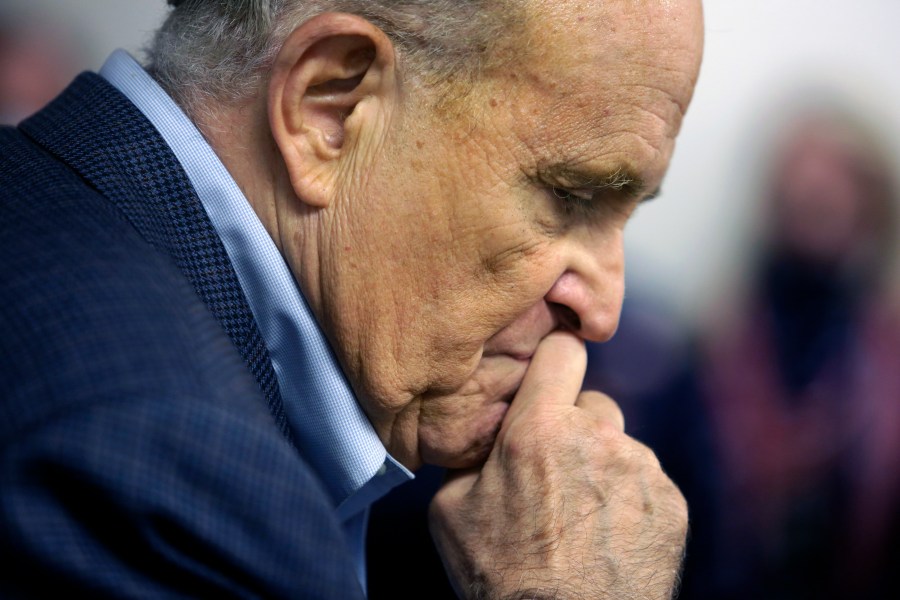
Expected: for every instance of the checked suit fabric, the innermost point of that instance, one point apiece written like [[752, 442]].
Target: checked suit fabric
[[144, 450]]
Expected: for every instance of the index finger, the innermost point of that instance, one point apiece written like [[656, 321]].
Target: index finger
[[555, 374]]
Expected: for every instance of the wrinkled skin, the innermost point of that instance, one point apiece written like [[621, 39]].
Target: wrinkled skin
[[450, 254], [567, 505], [458, 263]]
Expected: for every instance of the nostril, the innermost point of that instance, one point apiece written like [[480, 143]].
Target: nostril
[[568, 318]]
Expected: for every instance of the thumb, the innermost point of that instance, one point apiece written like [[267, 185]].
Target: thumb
[[554, 375]]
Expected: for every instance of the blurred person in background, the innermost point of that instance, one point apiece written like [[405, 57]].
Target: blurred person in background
[[801, 381], [37, 60]]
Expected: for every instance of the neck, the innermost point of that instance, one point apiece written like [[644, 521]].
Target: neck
[[241, 139]]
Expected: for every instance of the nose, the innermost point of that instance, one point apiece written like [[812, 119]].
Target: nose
[[587, 297]]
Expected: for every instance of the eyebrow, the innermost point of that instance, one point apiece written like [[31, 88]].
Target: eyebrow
[[622, 179]]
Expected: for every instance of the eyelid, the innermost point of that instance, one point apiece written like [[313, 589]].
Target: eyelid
[[572, 195]]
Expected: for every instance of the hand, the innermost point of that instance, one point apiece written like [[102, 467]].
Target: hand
[[566, 505]]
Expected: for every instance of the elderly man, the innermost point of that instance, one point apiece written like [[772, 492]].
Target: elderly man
[[315, 245]]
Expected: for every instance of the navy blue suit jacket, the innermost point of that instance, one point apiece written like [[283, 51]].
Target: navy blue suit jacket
[[143, 446]]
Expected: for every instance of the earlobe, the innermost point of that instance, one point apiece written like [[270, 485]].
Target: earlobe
[[326, 69]]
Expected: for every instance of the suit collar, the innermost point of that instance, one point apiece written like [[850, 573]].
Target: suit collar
[[96, 131]]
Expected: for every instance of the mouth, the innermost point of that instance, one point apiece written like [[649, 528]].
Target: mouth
[[467, 422], [523, 357], [507, 373], [518, 354]]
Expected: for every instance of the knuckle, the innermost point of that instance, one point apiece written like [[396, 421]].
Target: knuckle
[[593, 396], [617, 446], [648, 457], [544, 425], [671, 505], [600, 404], [439, 506], [680, 508], [537, 443]]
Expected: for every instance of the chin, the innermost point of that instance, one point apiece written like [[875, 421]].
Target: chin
[[463, 444], [457, 430]]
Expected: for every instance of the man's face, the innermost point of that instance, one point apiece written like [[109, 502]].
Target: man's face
[[824, 211], [464, 241]]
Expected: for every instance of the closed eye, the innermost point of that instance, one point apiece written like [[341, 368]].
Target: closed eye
[[572, 195], [574, 200]]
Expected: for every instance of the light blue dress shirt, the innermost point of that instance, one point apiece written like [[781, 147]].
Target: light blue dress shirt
[[331, 430]]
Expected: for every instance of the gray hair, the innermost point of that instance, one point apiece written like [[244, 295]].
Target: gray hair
[[221, 49]]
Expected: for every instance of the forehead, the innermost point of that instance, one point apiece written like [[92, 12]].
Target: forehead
[[606, 81]]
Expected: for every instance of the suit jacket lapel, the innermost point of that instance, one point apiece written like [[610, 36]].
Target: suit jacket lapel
[[102, 136]]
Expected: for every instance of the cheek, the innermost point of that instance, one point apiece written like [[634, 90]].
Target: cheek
[[485, 295], [522, 271]]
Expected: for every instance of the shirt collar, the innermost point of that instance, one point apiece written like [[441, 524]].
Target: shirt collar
[[332, 432]]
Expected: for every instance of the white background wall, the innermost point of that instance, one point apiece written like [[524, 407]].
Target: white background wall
[[683, 245]]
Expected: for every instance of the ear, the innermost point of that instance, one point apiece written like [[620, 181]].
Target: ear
[[330, 82]]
